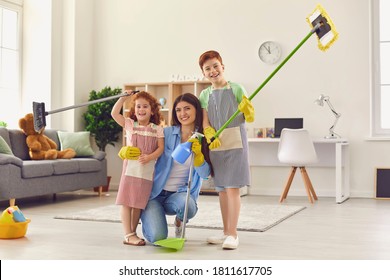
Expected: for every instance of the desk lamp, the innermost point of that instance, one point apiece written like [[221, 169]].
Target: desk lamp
[[320, 101]]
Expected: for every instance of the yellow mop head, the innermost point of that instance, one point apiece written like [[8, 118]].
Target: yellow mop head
[[326, 33]]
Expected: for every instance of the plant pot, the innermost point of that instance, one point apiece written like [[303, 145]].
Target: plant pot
[[104, 188]]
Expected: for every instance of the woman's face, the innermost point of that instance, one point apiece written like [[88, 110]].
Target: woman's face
[[185, 113]]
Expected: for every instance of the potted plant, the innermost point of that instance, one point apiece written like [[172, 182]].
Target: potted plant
[[100, 124], [3, 124]]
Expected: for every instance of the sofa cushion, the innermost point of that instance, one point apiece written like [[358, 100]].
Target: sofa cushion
[[78, 141], [65, 166], [52, 134], [88, 164], [37, 168], [4, 147], [18, 144], [4, 133]]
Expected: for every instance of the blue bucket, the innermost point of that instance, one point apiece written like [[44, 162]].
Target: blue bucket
[[182, 152]]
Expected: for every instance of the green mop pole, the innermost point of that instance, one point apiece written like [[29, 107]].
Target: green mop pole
[[268, 79]]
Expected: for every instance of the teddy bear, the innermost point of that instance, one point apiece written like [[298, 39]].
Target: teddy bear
[[40, 146]]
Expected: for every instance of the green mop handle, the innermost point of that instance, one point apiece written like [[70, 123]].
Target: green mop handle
[[267, 80]]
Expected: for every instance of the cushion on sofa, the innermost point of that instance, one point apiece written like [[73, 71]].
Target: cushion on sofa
[[78, 141], [88, 164], [19, 146], [65, 166], [4, 147], [37, 168], [4, 133], [52, 134]]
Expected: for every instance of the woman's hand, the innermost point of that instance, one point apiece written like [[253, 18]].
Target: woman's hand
[[197, 150]]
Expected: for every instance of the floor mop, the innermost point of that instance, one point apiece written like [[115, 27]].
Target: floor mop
[[322, 25], [40, 114]]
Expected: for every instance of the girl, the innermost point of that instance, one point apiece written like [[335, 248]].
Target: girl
[[229, 154], [143, 134]]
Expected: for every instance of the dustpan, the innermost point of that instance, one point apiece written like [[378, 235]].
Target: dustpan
[[40, 114], [322, 25], [178, 243]]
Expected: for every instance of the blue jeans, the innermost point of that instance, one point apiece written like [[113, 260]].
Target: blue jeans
[[153, 219]]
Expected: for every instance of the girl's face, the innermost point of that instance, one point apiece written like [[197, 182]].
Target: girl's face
[[185, 112], [213, 70], [143, 111]]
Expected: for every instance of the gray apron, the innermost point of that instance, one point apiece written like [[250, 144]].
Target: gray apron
[[230, 161]]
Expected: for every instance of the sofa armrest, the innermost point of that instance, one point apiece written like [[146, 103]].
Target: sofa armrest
[[99, 155], [10, 159]]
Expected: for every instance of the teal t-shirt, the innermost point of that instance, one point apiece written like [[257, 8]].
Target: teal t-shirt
[[238, 91]]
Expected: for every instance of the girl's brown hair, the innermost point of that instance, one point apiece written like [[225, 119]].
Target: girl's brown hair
[[209, 55], [155, 107]]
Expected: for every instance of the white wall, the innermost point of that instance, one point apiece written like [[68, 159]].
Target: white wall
[[147, 41]]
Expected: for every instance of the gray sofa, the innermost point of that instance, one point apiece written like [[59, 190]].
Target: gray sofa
[[21, 177]]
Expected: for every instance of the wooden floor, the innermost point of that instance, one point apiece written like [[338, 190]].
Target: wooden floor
[[358, 229]]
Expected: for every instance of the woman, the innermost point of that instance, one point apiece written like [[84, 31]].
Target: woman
[[170, 178]]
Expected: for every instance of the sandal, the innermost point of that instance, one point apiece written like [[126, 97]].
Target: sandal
[[135, 242]]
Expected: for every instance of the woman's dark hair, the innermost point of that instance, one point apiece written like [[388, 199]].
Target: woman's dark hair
[[194, 101]]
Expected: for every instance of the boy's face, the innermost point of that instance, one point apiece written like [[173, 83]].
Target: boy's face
[[213, 70]]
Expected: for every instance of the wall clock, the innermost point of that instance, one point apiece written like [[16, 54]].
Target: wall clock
[[270, 52]]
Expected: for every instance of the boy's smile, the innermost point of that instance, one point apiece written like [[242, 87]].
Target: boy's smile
[[213, 70]]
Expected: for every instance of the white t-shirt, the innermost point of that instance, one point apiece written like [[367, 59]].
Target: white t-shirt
[[179, 176]]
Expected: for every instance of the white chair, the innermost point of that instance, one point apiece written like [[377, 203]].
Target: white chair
[[296, 149]]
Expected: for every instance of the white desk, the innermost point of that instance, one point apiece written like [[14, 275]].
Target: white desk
[[330, 152]]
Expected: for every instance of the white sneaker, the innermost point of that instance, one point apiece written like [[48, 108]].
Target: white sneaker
[[216, 239], [230, 243], [178, 229]]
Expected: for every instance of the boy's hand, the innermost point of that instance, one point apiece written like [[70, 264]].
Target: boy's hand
[[209, 133], [246, 107], [129, 152], [197, 150]]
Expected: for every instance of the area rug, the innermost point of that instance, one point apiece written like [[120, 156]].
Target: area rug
[[257, 218]]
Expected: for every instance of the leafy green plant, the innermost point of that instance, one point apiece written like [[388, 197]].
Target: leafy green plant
[[3, 124], [98, 118]]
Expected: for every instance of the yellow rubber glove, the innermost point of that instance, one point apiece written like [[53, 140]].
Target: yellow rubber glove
[[246, 107], [129, 152], [209, 133], [197, 150]]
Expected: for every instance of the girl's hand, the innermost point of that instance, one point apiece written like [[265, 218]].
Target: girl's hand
[[144, 159], [129, 152]]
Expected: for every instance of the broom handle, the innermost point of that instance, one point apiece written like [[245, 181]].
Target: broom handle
[[267, 80], [187, 197], [88, 103]]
